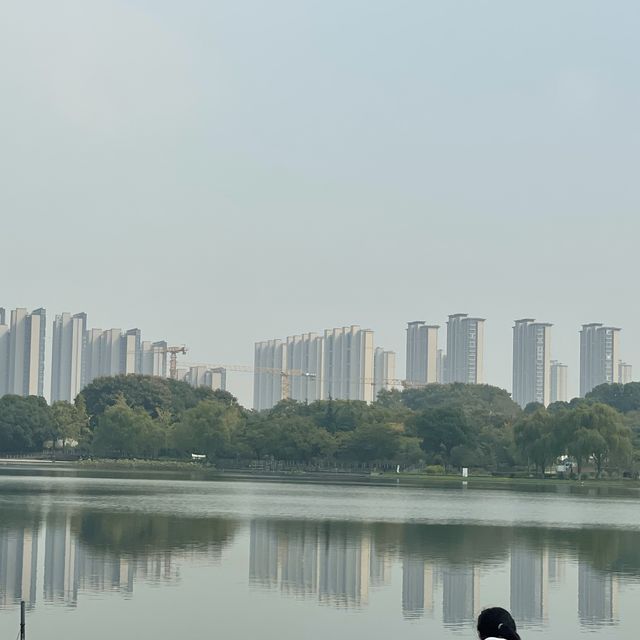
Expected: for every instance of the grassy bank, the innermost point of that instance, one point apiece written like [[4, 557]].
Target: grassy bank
[[144, 465], [482, 481]]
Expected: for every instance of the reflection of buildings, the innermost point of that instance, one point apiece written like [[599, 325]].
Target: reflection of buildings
[[528, 585], [417, 587], [69, 566], [18, 566], [330, 562], [556, 567], [379, 567], [105, 573], [60, 555], [459, 594], [299, 562], [596, 596], [344, 568], [263, 554]]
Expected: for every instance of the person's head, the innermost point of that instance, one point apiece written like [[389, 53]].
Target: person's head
[[497, 622]]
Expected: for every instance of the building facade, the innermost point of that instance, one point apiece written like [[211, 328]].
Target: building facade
[[559, 378], [270, 359], [4, 353], [531, 362], [25, 346], [465, 349], [69, 336], [599, 356], [154, 358], [114, 352], [422, 353], [348, 364], [305, 355], [625, 373], [384, 370], [209, 377], [338, 364]]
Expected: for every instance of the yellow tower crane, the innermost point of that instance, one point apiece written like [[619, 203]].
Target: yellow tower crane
[[173, 359]]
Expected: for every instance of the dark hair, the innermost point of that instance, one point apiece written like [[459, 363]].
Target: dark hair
[[497, 622]]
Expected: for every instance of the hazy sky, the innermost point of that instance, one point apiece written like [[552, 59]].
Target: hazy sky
[[221, 172]]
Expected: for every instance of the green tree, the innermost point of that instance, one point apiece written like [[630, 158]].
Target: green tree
[[370, 443], [207, 428], [536, 438], [69, 422], [442, 430], [150, 393], [596, 431], [25, 423], [622, 397], [124, 431]]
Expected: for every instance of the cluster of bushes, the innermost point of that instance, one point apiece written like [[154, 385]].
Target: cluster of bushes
[[436, 427]]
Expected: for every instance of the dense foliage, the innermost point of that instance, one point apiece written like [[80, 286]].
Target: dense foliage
[[439, 426]]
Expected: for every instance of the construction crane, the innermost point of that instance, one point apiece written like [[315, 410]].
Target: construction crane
[[285, 374], [173, 359]]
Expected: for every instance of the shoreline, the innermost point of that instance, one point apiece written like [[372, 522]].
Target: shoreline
[[193, 471]]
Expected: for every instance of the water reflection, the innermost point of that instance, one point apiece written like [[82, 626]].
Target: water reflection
[[443, 571], [61, 555], [338, 563]]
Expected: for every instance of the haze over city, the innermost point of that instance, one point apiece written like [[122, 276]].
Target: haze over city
[[223, 173]]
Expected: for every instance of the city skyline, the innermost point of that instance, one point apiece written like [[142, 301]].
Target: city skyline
[[126, 352]]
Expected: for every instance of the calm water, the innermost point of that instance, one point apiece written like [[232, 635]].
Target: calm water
[[167, 558]]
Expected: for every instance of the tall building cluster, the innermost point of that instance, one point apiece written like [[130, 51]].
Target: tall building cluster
[[463, 360], [204, 376], [78, 356], [536, 377], [342, 364]]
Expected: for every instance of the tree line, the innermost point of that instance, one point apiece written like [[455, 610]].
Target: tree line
[[439, 427]]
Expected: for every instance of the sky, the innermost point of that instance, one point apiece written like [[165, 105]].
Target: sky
[[218, 172]]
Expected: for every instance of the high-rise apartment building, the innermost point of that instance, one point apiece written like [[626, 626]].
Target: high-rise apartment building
[[67, 356], [599, 351], [131, 357], [559, 377], [216, 378], [441, 359], [270, 359], [4, 353], [309, 367], [26, 343], [384, 370], [305, 355], [203, 376], [531, 362], [154, 359], [465, 349], [112, 353], [348, 364], [422, 353], [625, 373]]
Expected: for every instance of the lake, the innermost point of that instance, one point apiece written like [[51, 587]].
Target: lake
[[168, 557]]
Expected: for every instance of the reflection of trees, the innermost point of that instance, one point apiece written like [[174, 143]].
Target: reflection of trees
[[19, 517], [142, 533]]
